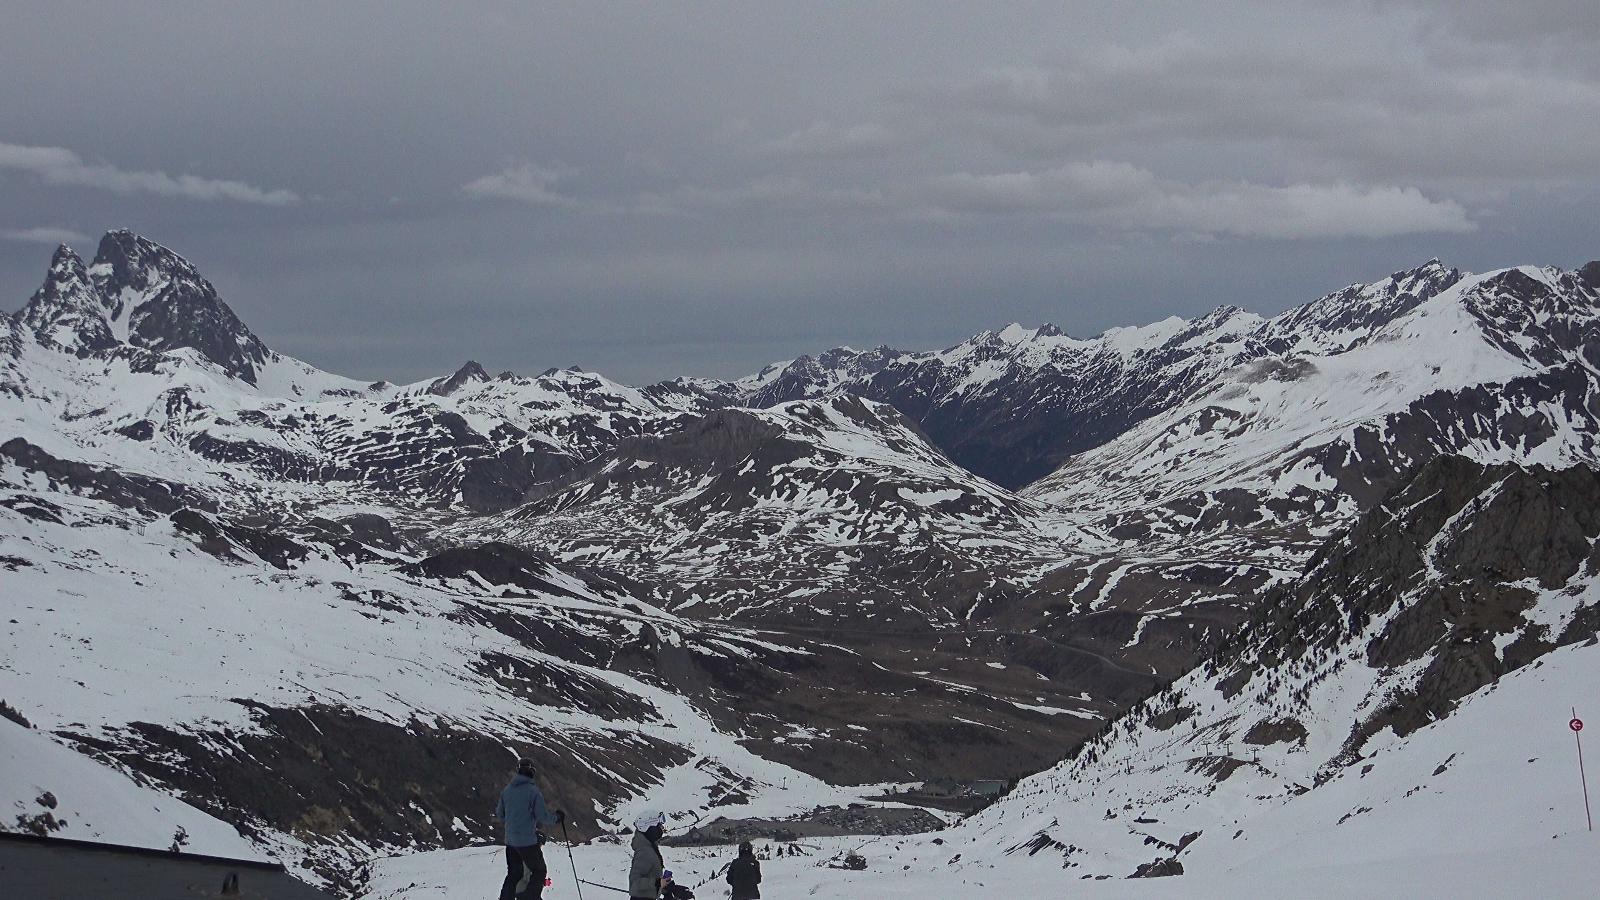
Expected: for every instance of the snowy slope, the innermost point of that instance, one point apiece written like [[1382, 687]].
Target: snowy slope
[[1503, 818], [252, 673], [1422, 671], [62, 792], [812, 511], [1263, 421], [286, 595], [1012, 405], [294, 652]]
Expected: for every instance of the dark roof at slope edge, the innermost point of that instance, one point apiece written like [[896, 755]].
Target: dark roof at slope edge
[[32, 866]]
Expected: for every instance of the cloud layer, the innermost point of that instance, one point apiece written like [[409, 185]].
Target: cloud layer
[[661, 189], [1125, 196], [60, 166], [525, 183], [44, 235]]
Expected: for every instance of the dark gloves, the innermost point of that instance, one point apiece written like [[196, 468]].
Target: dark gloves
[[561, 816]]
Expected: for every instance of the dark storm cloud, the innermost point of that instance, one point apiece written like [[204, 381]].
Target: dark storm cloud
[[656, 189]]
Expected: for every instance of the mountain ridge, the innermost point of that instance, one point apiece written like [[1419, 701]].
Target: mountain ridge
[[697, 591]]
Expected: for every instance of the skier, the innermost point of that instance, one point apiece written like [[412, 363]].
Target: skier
[[744, 875], [644, 878], [523, 809], [671, 890]]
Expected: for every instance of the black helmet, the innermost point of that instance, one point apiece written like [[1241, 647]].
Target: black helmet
[[525, 767]]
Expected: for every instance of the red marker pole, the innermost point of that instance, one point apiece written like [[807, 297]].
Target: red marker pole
[[1577, 726]]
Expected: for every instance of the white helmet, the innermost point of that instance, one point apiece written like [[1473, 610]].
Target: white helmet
[[650, 820]]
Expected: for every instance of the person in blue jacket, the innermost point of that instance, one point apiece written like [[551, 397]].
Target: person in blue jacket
[[523, 809]]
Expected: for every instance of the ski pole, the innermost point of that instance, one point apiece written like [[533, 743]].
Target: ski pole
[[606, 887], [574, 863]]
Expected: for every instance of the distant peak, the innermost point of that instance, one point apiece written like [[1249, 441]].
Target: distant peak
[[66, 269], [1014, 333], [128, 260], [1432, 267], [127, 239], [67, 311], [470, 372]]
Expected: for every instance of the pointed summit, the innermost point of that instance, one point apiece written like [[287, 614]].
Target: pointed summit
[[160, 302], [68, 312], [1590, 275], [469, 373], [1342, 319], [126, 264]]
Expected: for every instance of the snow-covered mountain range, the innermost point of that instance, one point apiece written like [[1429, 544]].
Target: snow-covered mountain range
[[286, 596]]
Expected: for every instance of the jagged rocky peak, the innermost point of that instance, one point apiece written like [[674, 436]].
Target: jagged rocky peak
[[1536, 314], [160, 302], [141, 294], [1347, 316], [1590, 275], [67, 311], [813, 376], [1463, 574], [127, 266], [470, 373]]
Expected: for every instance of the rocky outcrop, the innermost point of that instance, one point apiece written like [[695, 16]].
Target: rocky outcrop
[[469, 373], [1446, 571], [68, 311], [149, 495], [1012, 406], [166, 305]]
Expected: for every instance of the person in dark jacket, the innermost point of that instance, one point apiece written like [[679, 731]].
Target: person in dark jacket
[[744, 875], [523, 809], [644, 876]]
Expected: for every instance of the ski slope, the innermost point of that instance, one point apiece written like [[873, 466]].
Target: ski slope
[[1505, 818]]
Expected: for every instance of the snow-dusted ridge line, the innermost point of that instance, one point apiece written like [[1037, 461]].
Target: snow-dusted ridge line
[[308, 591]]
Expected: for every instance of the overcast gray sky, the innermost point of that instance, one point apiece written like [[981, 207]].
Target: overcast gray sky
[[655, 189]]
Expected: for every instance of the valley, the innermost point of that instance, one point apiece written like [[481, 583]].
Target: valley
[[1184, 572]]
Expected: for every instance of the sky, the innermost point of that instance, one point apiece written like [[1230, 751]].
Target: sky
[[659, 189]]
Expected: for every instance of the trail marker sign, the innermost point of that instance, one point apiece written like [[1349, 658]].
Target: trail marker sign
[[1576, 724]]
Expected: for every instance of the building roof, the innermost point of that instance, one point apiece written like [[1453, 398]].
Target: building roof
[[33, 866]]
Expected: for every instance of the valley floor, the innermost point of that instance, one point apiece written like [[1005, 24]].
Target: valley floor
[[1504, 818], [1567, 866]]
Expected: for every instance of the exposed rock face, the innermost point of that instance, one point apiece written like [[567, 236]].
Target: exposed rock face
[[165, 305], [143, 295], [130, 491], [1160, 868], [807, 377], [1590, 273], [843, 496], [1013, 405], [566, 548], [1482, 542], [467, 374], [68, 311], [1463, 578]]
